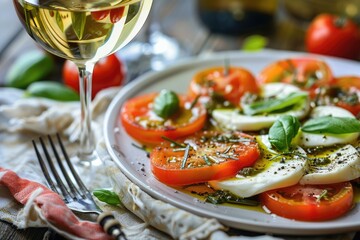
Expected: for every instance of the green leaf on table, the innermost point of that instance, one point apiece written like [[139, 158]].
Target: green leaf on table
[[283, 131], [254, 43], [78, 23], [52, 90], [332, 125], [107, 196], [274, 104], [29, 67]]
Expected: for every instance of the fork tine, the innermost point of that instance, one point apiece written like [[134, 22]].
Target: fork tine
[[62, 186], [44, 169], [73, 190], [80, 183]]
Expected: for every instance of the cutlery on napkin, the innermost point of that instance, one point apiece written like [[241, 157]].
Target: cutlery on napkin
[[41, 204]]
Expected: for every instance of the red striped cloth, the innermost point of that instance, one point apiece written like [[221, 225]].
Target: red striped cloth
[[52, 207]]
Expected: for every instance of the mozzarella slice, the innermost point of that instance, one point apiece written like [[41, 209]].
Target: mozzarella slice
[[344, 165], [233, 120], [271, 173], [278, 89], [314, 140]]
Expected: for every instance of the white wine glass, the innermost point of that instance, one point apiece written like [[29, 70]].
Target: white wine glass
[[83, 31]]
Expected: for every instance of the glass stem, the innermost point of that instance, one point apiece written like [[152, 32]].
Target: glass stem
[[87, 143]]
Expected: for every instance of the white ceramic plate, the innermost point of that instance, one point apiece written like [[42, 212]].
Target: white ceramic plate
[[135, 165]]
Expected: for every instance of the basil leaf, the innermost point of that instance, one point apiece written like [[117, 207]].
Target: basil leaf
[[276, 104], [166, 104], [107, 196], [283, 131], [334, 125]]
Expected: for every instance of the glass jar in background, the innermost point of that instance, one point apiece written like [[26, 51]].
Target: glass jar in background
[[234, 17], [307, 9]]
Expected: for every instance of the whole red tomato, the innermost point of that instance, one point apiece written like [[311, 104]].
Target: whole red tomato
[[108, 72], [333, 35]]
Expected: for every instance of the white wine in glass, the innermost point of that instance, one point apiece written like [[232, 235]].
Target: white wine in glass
[[83, 31]]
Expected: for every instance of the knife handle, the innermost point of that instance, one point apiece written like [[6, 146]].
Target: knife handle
[[111, 226]]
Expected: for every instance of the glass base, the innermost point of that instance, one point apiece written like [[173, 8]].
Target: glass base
[[87, 168], [85, 158]]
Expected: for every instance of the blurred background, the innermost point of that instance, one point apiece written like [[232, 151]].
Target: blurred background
[[180, 29]]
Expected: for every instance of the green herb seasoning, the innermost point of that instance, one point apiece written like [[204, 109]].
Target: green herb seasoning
[[185, 158], [173, 142], [219, 197]]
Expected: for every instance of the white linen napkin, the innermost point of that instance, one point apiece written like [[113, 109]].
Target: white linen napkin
[[23, 119]]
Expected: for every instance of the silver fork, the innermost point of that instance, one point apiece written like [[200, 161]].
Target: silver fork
[[75, 194]]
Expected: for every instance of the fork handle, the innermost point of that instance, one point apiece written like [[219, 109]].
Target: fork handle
[[111, 226]]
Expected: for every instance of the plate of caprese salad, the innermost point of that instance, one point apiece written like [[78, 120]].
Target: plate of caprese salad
[[265, 141]]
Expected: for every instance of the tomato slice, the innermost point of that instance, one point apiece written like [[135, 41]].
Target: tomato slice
[[211, 156], [348, 82], [231, 85], [347, 93], [141, 123], [310, 202], [306, 73], [354, 109]]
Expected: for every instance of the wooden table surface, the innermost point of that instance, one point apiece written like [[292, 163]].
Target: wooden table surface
[[177, 19]]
